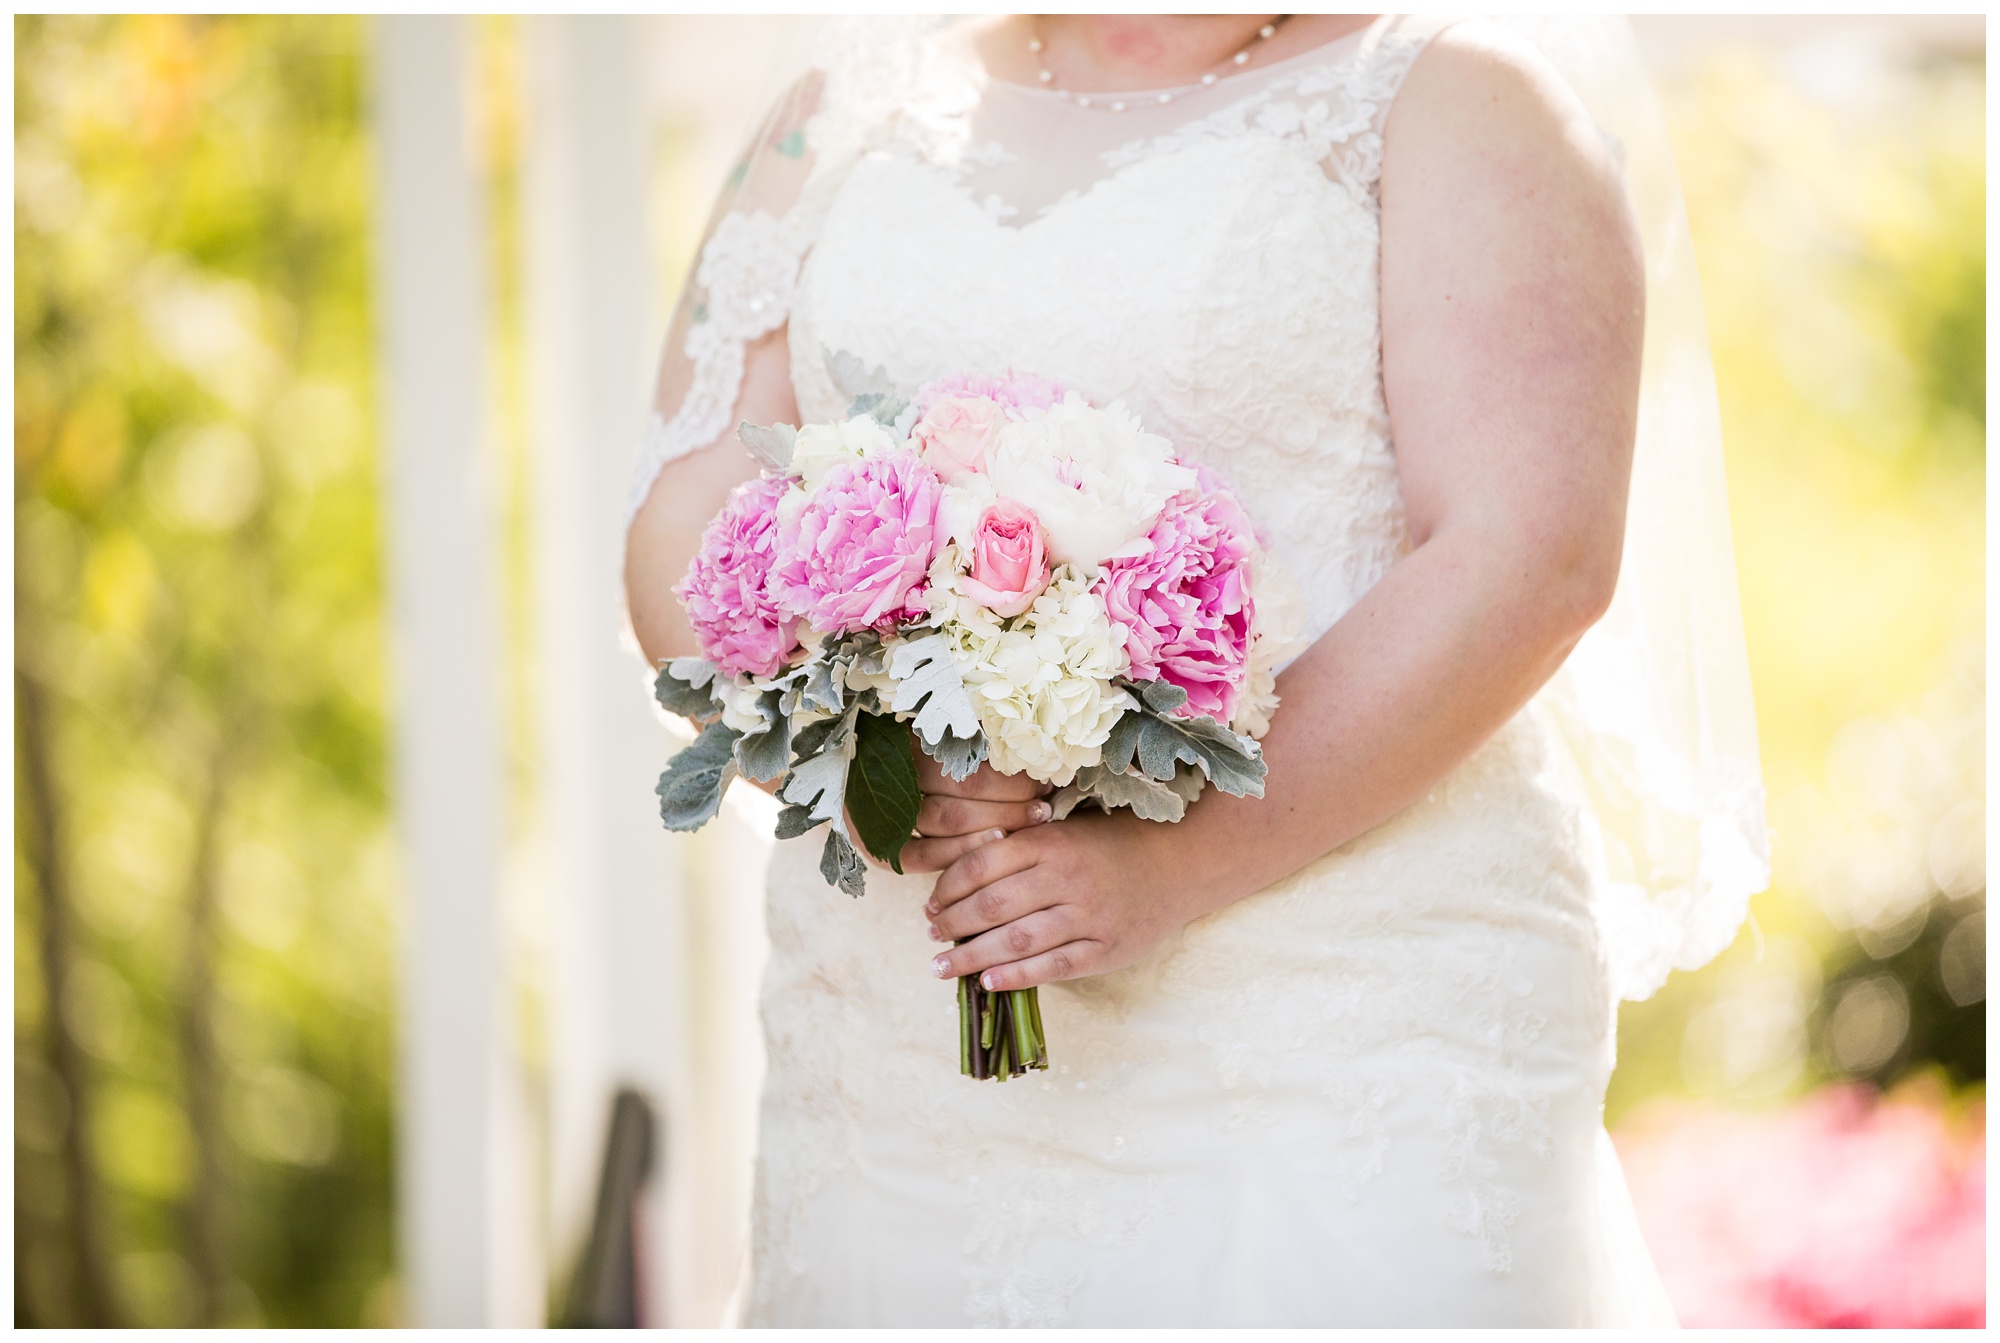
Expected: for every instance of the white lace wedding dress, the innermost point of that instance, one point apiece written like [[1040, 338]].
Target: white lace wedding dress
[[1370, 1094]]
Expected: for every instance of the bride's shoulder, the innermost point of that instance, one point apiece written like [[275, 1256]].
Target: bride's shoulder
[[1482, 113], [1478, 84]]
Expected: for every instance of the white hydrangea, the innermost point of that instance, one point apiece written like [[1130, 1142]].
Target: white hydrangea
[[1095, 478], [1274, 642], [949, 606], [1042, 681]]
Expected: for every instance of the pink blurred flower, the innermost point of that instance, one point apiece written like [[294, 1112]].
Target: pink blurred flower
[[1841, 1210], [1185, 602], [954, 434], [1010, 564], [1013, 392], [736, 623], [856, 555]]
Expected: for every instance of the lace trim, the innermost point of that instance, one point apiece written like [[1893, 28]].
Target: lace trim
[[1348, 119], [748, 270]]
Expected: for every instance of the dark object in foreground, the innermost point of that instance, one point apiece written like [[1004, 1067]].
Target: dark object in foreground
[[605, 1293]]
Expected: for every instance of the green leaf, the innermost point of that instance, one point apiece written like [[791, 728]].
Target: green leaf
[[692, 785], [882, 796]]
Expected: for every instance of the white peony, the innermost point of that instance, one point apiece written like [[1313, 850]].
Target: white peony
[[962, 506], [1042, 681], [739, 696], [821, 447], [1094, 478]]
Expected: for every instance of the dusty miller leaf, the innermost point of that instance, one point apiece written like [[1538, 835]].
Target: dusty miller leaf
[[1162, 697], [794, 821], [683, 687], [693, 782], [764, 755], [1155, 742], [819, 782], [812, 738], [927, 681], [853, 377], [772, 446], [884, 407], [816, 685], [956, 756], [1149, 799], [842, 866]]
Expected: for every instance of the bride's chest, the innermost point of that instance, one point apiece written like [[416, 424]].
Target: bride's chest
[[1229, 263]]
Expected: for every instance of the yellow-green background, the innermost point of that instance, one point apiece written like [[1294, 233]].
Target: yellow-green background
[[202, 727]]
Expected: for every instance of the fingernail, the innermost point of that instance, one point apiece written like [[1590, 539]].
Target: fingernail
[[996, 834], [986, 982], [932, 907], [1040, 812], [936, 936], [941, 967]]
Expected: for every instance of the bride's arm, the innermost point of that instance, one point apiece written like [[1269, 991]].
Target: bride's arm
[[690, 490], [1512, 294]]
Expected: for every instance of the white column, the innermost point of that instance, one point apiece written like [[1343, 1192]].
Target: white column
[[464, 1221], [619, 989]]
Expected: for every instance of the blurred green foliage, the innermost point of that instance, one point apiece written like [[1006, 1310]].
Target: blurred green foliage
[[202, 831], [1837, 201], [199, 648]]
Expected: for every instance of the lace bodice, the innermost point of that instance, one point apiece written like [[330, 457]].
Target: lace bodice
[[1418, 1026], [1219, 279]]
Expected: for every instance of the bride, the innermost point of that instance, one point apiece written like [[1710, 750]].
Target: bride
[[1337, 1056]]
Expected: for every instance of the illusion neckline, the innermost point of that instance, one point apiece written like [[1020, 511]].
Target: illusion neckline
[[1311, 55]]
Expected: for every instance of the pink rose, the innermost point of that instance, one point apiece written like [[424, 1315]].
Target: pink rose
[[1009, 564], [1186, 604], [955, 432], [736, 623], [857, 555]]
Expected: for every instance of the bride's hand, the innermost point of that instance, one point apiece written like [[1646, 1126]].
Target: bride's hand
[[960, 815], [1084, 896]]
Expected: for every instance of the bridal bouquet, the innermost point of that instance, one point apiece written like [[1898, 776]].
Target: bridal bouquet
[[992, 570]]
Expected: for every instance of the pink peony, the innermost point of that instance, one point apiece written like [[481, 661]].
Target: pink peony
[[856, 555], [955, 433], [1010, 564], [1016, 393], [1840, 1210], [1186, 604], [735, 621]]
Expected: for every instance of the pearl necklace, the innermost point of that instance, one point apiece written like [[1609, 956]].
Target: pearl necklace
[[1118, 103]]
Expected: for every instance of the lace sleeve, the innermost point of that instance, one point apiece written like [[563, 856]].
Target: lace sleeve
[[741, 289]]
